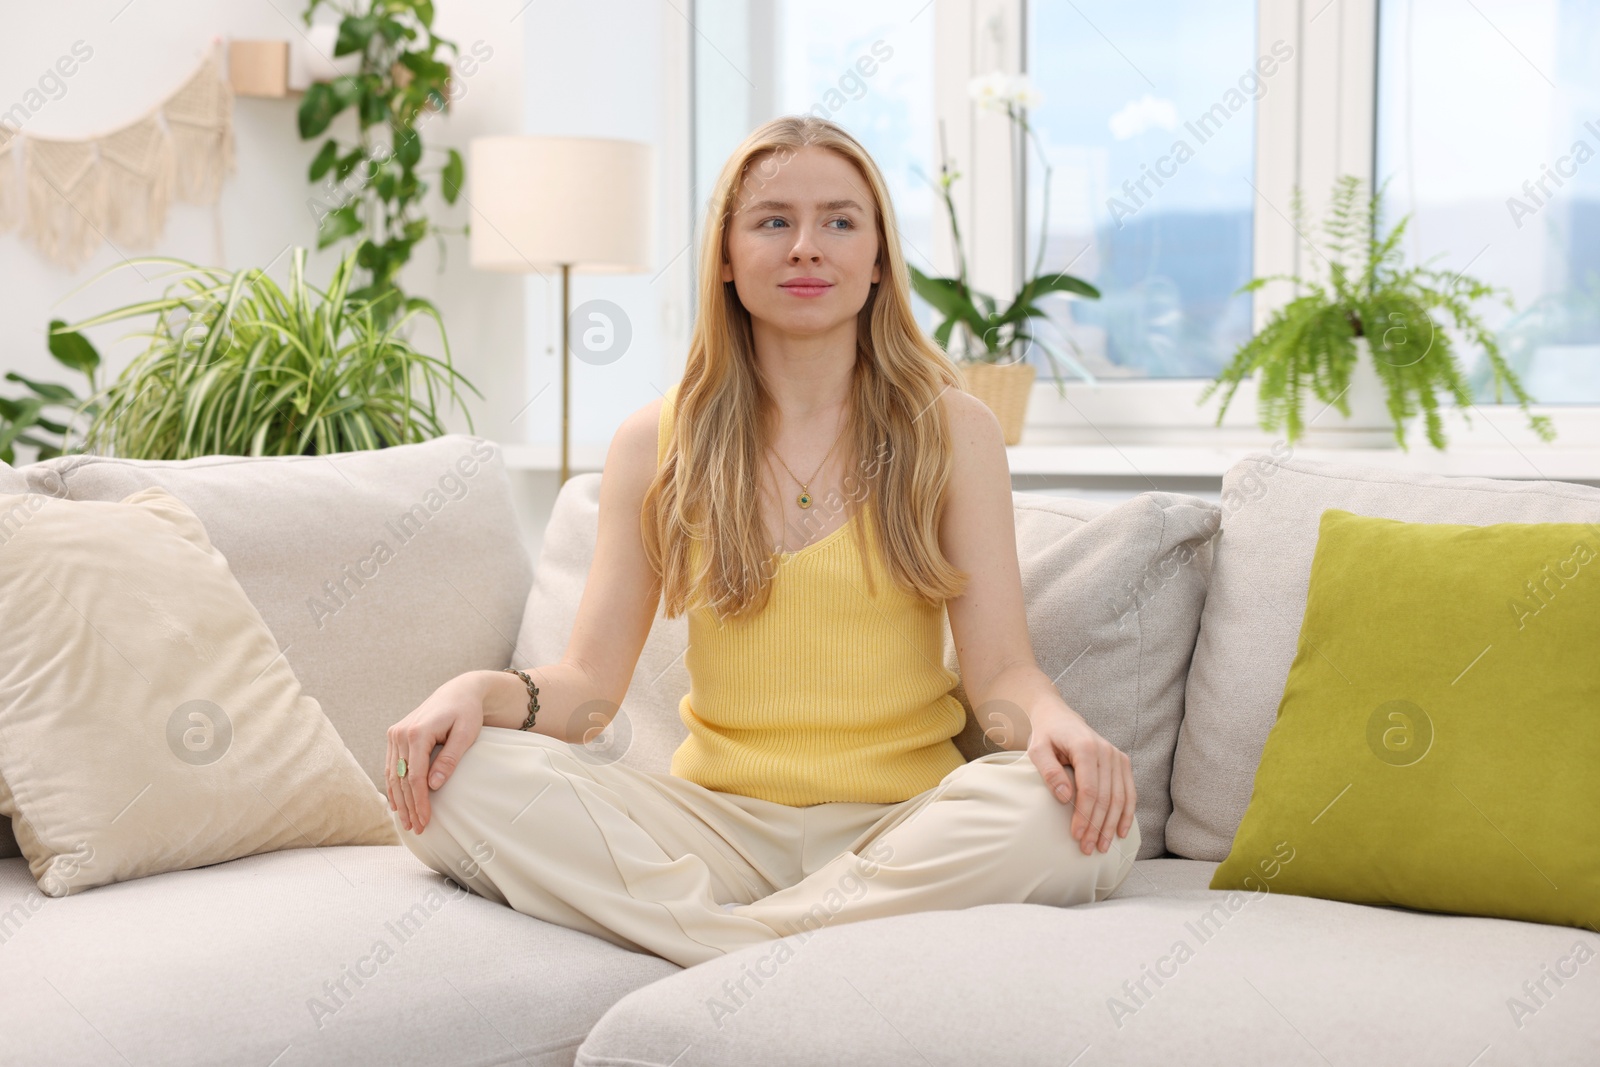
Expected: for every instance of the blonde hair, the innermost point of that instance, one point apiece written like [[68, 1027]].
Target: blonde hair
[[706, 488]]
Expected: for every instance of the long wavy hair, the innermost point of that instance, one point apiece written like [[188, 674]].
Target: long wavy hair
[[706, 488]]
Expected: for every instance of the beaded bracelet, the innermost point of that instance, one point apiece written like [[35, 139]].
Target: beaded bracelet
[[533, 696]]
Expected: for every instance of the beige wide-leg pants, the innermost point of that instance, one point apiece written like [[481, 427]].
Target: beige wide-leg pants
[[659, 864]]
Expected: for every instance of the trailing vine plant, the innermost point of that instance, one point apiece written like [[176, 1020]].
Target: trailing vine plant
[[377, 183]]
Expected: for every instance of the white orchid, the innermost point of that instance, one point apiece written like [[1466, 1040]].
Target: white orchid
[[1023, 92], [989, 90], [999, 91], [992, 335]]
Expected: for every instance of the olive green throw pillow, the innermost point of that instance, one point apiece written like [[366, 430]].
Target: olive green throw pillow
[[1437, 745]]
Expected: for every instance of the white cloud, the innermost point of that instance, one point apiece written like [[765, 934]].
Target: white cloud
[[1137, 116]]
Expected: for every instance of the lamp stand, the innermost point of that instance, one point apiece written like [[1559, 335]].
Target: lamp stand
[[566, 365]]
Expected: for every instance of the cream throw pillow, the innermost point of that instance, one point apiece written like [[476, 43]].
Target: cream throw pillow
[[148, 721]]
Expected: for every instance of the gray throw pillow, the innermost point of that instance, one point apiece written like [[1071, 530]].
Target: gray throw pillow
[[1113, 596]]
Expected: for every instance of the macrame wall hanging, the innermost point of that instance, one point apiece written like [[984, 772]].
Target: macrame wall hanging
[[74, 194]]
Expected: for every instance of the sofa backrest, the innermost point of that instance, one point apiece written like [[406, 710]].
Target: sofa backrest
[[1112, 594], [1250, 626]]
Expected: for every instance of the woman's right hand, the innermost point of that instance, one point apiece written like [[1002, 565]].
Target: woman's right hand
[[453, 715]]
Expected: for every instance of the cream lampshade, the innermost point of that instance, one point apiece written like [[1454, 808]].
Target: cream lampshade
[[579, 204]]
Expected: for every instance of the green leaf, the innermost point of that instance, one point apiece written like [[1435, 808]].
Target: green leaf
[[373, 257], [337, 225], [317, 109], [72, 349], [354, 33], [949, 298], [374, 109], [408, 147], [425, 67], [385, 182], [1062, 283], [424, 10], [49, 392], [324, 159], [346, 90], [451, 177], [348, 162], [945, 294], [27, 413]]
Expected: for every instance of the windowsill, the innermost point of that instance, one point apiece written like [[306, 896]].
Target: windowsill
[[1132, 429], [1530, 461], [1202, 461]]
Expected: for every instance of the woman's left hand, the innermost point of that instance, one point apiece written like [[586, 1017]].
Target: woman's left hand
[[1104, 795]]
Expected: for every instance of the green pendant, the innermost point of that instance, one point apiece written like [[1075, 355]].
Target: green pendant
[[805, 500]]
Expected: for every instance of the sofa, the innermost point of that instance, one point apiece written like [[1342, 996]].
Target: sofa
[[1168, 621]]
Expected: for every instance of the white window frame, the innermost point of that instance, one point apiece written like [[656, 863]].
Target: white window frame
[[1310, 128]]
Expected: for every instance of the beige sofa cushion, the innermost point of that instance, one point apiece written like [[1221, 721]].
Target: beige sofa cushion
[[1113, 596], [1251, 622], [148, 722], [1182, 975], [381, 573], [306, 957]]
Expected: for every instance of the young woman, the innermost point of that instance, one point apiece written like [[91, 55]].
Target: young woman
[[817, 493]]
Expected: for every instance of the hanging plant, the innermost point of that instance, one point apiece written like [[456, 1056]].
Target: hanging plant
[[378, 182]]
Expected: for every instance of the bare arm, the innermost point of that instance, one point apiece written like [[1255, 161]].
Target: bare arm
[[580, 694], [1017, 705]]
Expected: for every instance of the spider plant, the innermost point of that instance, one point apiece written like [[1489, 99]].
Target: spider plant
[[237, 365]]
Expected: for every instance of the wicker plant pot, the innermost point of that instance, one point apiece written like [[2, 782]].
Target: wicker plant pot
[[1005, 387]]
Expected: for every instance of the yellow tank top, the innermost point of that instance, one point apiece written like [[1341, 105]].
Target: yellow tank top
[[828, 694]]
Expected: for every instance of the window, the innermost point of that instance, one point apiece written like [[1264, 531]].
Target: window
[[865, 64], [1175, 135], [1488, 132], [1150, 143]]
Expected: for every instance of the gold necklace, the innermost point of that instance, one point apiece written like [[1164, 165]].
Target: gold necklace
[[804, 499]]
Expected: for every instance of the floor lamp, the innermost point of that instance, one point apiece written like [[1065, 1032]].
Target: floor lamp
[[570, 203]]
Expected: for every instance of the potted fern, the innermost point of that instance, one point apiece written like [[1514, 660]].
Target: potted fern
[[237, 365], [1377, 330]]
